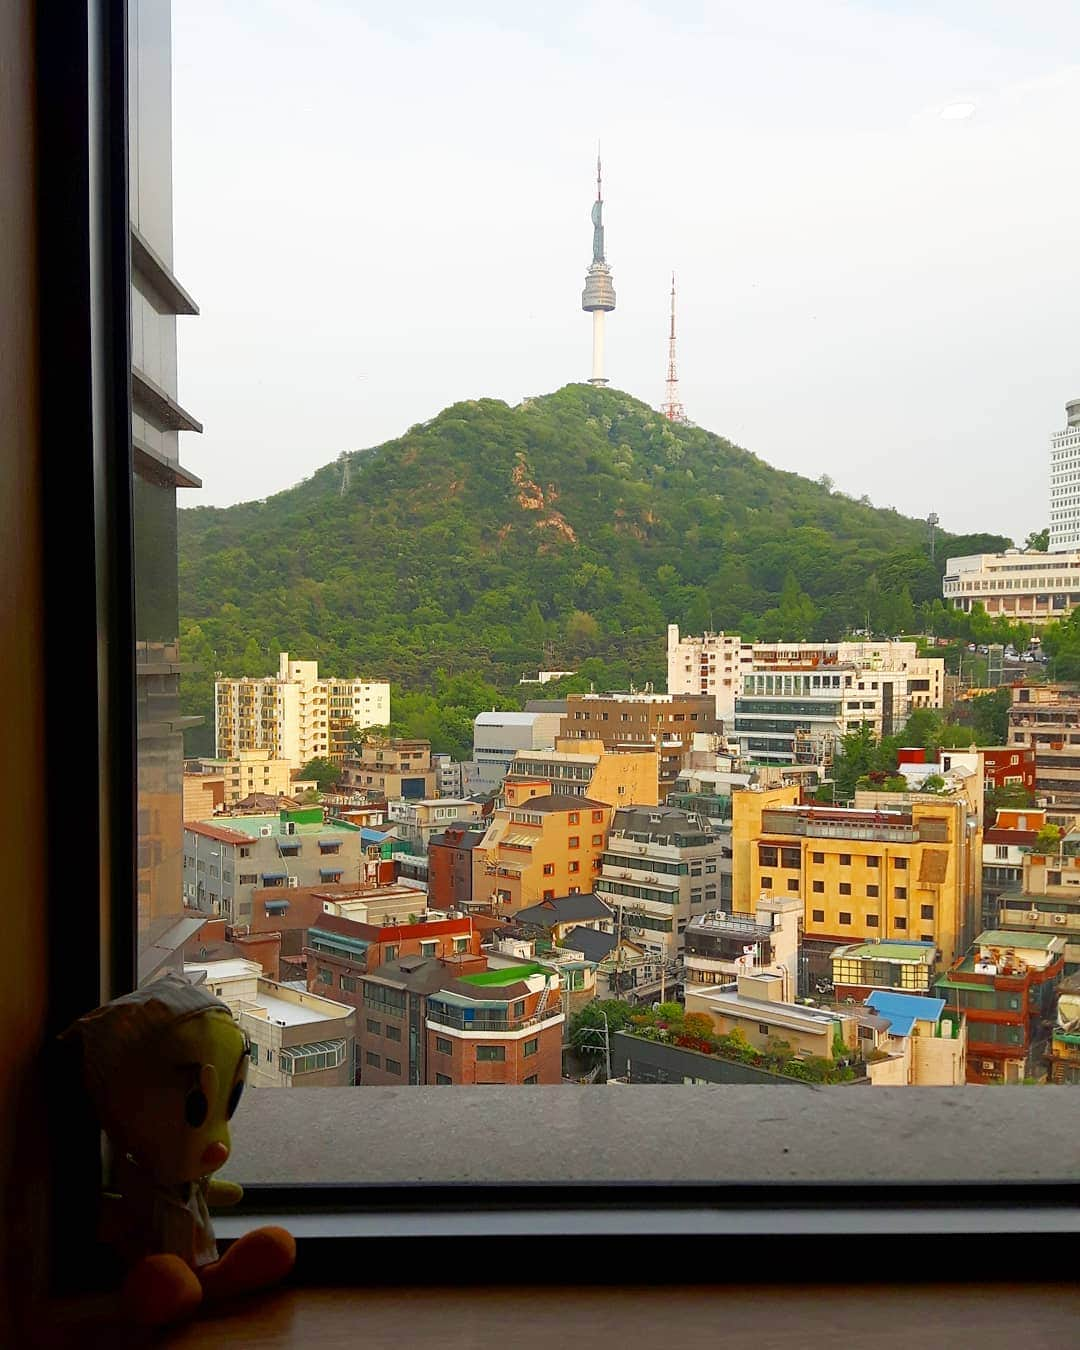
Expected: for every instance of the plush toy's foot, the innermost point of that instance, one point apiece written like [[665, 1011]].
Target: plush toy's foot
[[255, 1261], [160, 1289]]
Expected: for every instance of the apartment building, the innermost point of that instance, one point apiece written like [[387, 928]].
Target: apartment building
[[1007, 845], [539, 847], [390, 768], [722, 946], [247, 773], [913, 872], [224, 864], [660, 867], [297, 1039], [555, 917], [295, 715], [921, 1044], [628, 777], [1048, 900], [395, 902], [860, 968], [498, 1026], [341, 951], [498, 736], [1065, 482], [392, 1042], [450, 866], [1046, 718], [719, 663], [797, 703], [667, 723], [1005, 985], [754, 1008], [416, 822]]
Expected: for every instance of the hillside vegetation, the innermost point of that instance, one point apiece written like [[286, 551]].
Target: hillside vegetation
[[575, 526]]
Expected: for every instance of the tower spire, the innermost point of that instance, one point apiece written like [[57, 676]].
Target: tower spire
[[672, 408], [598, 297]]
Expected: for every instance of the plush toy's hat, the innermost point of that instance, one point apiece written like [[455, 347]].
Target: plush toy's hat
[[120, 1035]]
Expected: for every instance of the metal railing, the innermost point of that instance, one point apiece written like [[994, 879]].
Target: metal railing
[[436, 1017]]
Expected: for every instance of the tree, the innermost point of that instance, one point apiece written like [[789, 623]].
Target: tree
[[1046, 841], [1038, 540], [1011, 796], [585, 1023], [990, 716], [323, 771]]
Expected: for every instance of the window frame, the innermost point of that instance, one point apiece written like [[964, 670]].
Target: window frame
[[81, 156]]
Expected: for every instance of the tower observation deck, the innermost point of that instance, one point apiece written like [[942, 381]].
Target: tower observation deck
[[598, 297]]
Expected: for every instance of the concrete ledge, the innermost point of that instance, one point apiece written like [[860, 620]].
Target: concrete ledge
[[603, 1135]]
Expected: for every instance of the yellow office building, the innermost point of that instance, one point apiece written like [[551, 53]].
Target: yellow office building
[[908, 873]]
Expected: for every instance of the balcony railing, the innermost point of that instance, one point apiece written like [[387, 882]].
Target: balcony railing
[[437, 1017]]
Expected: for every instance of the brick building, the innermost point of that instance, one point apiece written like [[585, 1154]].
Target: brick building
[[1006, 985], [666, 723], [450, 867], [341, 951]]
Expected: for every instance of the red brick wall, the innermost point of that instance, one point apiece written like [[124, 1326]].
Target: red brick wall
[[382, 1045], [464, 1068]]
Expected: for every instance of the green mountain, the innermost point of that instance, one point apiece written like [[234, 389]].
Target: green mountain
[[571, 528]]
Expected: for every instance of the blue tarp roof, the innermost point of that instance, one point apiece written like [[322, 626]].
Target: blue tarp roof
[[904, 1010], [373, 836]]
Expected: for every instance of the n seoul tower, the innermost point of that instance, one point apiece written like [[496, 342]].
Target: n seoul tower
[[599, 294]]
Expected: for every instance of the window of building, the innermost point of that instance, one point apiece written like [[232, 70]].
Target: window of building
[[245, 851], [325, 975], [900, 922], [817, 857], [519, 1008], [548, 895], [873, 860], [532, 1078], [768, 855], [598, 817], [845, 859], [844, 917], [793, 884], [574, 865], [818, 887], [493, 1054], [766, 882], [390, 951], [845, 888], [393, 1066], [531, 1047], [899, 892], [373, 1026], [574, 841], [429, 948], [900, 864], [443, 1045], [817, 916], [575, 818], [871, 921], [393, 1033], [926, 911], [372, 1059], [873, 892], [443, 1080]]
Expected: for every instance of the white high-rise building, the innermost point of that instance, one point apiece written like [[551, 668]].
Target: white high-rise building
[[295, 714], [711, 664], [1065, 482]]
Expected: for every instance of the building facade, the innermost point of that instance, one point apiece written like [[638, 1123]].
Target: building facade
[[1065, 484], [908, 873], [296, 715], [620, 722], [417, 821], [500, 1027], [711, 664], [539, 847], [392, 768], [660, 867], [157, 300], [861, 967], [722, 946], [248, 773], [1024, 587], [922, 1045], [225, 864], [498, 736], [1006, 986], [1046, 719], [585, 768]]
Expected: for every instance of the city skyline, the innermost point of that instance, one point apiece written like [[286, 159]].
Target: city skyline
[[872, 232]]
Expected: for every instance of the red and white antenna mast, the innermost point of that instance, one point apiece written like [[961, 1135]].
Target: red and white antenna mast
[[671, 407]]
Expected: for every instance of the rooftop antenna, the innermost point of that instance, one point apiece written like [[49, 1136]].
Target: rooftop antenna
[[672, 408], [931, 525]]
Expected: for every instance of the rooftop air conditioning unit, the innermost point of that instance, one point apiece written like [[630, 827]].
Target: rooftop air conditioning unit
[[1059, 918], [294, 883], [987, 1065], [265, 831]]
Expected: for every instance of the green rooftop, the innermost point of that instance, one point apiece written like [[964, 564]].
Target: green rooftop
[[508, 976], [303, 829], [1000, 937], [890, 951]]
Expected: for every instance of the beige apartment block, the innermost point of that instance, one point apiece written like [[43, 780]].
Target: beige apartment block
[[296, 715]]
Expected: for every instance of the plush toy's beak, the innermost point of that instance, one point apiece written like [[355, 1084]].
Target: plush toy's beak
[[215, 1156]]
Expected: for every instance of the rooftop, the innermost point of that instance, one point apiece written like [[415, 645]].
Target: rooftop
[[887, 950], [291, 1008], [210, 831], [558, 801], [509, 975], [231, 968], [506, 719], [796, 1016], [904, 1010], [245, 828], [564, 909], [591, 943]]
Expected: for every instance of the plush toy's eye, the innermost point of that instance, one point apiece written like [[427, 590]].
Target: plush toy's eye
[[195, 1108], [234, 1098]]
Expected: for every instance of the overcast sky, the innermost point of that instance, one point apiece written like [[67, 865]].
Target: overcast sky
[[382, 209]]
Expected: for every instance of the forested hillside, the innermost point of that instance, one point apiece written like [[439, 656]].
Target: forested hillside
[[581, 520]]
